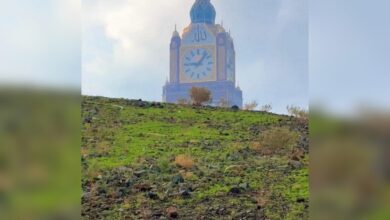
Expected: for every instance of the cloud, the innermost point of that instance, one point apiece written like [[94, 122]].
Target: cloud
[[138, 34], [137, 29], [40, 42], [291, 12], [126, 46]]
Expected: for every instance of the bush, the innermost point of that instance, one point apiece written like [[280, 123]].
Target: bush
[[93, 170], [200, 95], [297, 112], [224, 103], [184, 161], [266, 108], [276, 140], [251, 106]]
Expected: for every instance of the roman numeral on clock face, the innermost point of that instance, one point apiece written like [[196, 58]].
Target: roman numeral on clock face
[[197, 63]]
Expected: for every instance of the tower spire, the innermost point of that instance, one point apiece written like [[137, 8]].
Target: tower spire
[[175, 33]]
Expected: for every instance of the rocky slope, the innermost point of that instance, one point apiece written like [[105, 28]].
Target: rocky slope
[[130, 168]]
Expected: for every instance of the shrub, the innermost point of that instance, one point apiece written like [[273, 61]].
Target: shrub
[[276, 140], [200, 95], [297, 112], [223, 103], [184, 161], [93, 170], [251, 106], [266, 108], [164, 164]]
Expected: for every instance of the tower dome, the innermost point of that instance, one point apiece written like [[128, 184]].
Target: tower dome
[[203, 12]]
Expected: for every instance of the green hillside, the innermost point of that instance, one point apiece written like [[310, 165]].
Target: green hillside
[[145, 160]]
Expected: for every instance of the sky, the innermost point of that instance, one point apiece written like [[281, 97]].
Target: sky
[[349, 58], [125, 46], [336, 51], [40, 43]]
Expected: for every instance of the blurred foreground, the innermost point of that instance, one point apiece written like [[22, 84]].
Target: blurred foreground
[[349, 166], [39, 154]]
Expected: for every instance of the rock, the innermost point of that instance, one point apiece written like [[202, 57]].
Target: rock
[[297, 154], [88, 120], [185, 193], [143, 187], [235, 107], [86, 195], [221, 211], [139, 173], [178, 179], [128, 182], [266, 152], [295, 164], [235, 190], [157, 213], [124, 169], [101, 190], [172, 212], [152, 195], [244, 186]]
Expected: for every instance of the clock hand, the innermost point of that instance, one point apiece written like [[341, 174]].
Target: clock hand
[[201, 60], [191, 64]]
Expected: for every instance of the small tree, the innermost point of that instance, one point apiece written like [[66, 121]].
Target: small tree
[[200, 95], [266, 108], [251, 106]]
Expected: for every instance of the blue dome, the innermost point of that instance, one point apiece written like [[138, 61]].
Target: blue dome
[[203, 12]]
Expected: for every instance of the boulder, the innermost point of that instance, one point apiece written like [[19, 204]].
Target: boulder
[[172, 212]]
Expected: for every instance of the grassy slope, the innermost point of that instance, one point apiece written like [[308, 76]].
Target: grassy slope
[[126, 146]]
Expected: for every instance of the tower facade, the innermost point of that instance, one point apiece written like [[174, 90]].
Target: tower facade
[[203, 56]]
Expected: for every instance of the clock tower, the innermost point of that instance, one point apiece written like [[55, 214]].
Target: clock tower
[[203, 56]]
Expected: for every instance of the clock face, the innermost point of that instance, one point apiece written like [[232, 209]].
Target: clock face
[[198, 64], [230, 67]]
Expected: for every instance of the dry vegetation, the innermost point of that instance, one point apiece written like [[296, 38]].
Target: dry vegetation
[[184, 161], [251, 106], [298, 112], [200, 95], [275, 140], [266, 108]]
